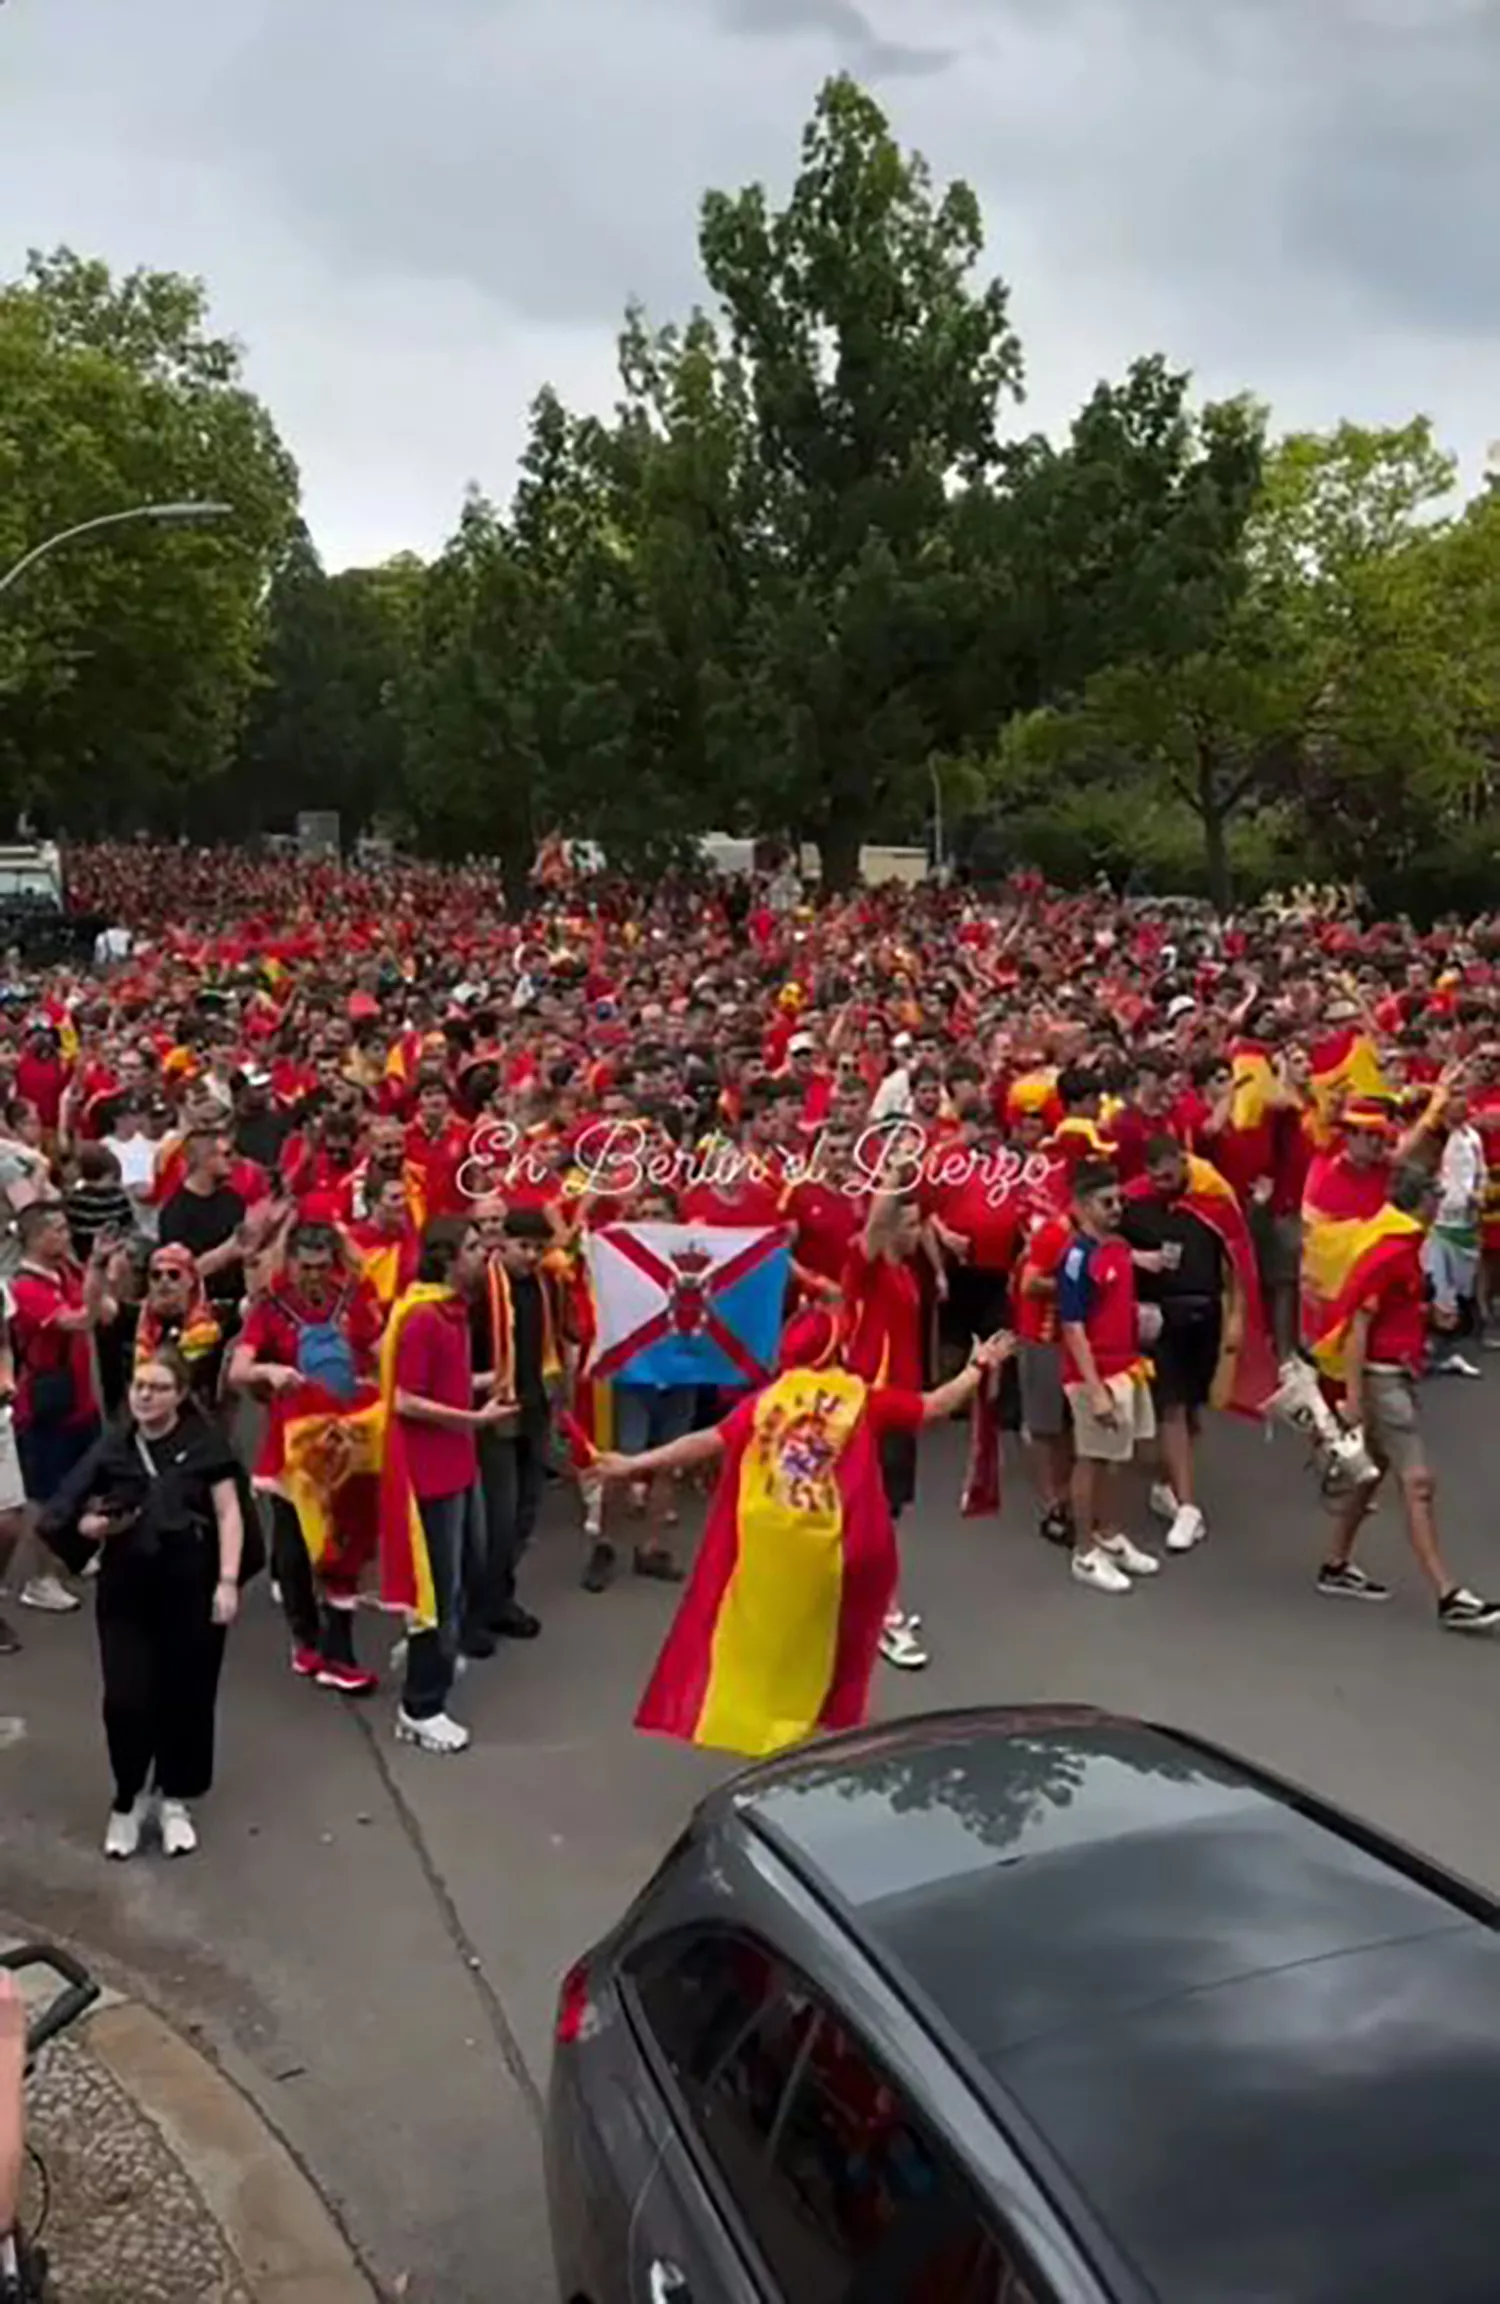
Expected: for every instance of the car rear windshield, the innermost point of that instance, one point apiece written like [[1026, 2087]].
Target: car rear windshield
[[1267, 2059]]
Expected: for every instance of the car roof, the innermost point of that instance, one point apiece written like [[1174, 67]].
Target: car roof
[[1261, 2043]]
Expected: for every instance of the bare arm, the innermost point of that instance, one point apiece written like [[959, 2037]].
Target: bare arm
[[231, 1528], [675, 1456], [1354, 1366], [1076, 1338]]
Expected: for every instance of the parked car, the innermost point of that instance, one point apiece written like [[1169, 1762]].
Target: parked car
[[1030, 2006]]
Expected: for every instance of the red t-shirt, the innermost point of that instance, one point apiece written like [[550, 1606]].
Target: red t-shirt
[[1398, 1324], [435, 1360], [440, 1160], [828, 1222], [41, 1080], [885, 1306], [1096, 1290], [1292, 1156], [1131, 1131], [748, 1201], [982, 1211], [1036, 1316], [43, 1349]]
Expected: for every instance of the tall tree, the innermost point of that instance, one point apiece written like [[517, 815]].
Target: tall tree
[[125, 660], [875, 365]]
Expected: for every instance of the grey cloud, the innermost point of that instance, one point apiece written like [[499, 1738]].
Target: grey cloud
[[843, 25]]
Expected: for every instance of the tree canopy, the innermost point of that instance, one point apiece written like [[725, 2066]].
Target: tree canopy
[[805, 574]]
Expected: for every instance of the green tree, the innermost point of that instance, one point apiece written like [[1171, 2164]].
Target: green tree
[[1326, 675], [324, 728], [125, 661], [874, 367]]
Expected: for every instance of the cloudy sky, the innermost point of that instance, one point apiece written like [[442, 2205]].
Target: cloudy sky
[[415, 211]]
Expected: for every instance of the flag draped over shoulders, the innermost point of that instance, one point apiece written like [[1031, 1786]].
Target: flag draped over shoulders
[[1338, 1202], [780, 1622], [1246, 1375], [405, 1570], [1375, 1249]]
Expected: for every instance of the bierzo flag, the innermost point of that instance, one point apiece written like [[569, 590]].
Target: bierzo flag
[[687, 1303]]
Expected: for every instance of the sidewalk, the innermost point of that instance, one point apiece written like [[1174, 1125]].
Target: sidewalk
[[163, 2185]]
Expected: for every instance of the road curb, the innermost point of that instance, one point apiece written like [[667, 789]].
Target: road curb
[[273, 2221]]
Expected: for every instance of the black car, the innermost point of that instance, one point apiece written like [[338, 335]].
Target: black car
[[1031, 2007]]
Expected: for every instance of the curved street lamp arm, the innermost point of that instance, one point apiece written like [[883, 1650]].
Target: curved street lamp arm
[[109, 520]]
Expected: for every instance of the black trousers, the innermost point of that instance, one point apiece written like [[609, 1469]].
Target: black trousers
[[162, 1654], [312, 1622], [512, 1475]]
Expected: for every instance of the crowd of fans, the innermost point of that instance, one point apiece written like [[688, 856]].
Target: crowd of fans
[[299, 1115]]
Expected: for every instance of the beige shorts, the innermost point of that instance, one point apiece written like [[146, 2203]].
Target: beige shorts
[[1099, 1442], [1393, 1425]]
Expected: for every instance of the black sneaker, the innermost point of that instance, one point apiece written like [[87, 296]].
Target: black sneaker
[[478, 1645], [1350, 1583], [1463, 1611], [658, 1565], [10, 1643], [600, 1572], [1056, 1527], [516, 1623]]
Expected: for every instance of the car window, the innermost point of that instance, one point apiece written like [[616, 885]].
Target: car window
[[847, 2196]]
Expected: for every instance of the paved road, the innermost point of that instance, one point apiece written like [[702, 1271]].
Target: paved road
[[372, 1938]]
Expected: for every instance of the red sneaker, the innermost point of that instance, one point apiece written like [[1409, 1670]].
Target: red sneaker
[[306, 1663], [348, 1679]]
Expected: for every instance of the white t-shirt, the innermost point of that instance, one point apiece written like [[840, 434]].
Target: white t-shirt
[[137, 1158]]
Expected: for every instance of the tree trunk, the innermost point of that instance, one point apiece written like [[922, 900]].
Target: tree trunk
[[517, 856], [839, 844]]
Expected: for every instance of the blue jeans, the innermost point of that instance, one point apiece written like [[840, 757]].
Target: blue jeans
[[449, 1523], [652, 1415]]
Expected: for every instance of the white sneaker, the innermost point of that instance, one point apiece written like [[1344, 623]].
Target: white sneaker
[[1096, 1569], [1163, 1502], [179, 1834], [122, 1834], [1129, 1556], [1187, 1529], [439, 1734], [899, 1644], [50, 1595]]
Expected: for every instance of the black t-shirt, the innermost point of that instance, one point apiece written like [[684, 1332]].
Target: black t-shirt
[[203, 1221], [260, 1136], [1199, 1277]]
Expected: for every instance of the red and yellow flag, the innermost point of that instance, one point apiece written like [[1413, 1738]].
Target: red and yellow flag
[[779, 1626], [1246, 1375], [1377, 1248], [1254, 1078], [1345, 1063], [330, 1475], [405, 1569], [1338, 1203]]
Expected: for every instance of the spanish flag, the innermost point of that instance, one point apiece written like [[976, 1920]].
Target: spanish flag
[[1343, 1064], [405, 1570], [1246, 1375], [1338, 1201], [779, 1626], [1377, 1249], [1254, 1079], [330, 1475]]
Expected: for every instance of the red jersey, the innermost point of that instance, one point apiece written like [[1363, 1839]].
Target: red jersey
[[41, 1080], [1036, 1311], [44, 1350], [273, 1335], [828, 1222], [439, 1160], [885, 1308], [1398, 1312], [1096, 1292]]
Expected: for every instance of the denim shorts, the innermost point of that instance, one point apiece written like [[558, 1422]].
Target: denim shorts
[[652, 1415]]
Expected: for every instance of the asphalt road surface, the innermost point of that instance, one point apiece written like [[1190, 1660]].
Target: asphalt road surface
[[371, 1938]]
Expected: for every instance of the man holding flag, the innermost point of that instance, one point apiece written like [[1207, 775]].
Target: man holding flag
[[1373, 1341], [1212, 1348]]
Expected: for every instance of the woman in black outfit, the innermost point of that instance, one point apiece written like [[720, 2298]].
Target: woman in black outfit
[[160, 1495]]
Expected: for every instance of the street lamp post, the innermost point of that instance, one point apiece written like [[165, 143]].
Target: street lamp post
[[168, 513]]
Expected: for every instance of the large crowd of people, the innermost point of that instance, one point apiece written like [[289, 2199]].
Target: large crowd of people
[[311, 1149]]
